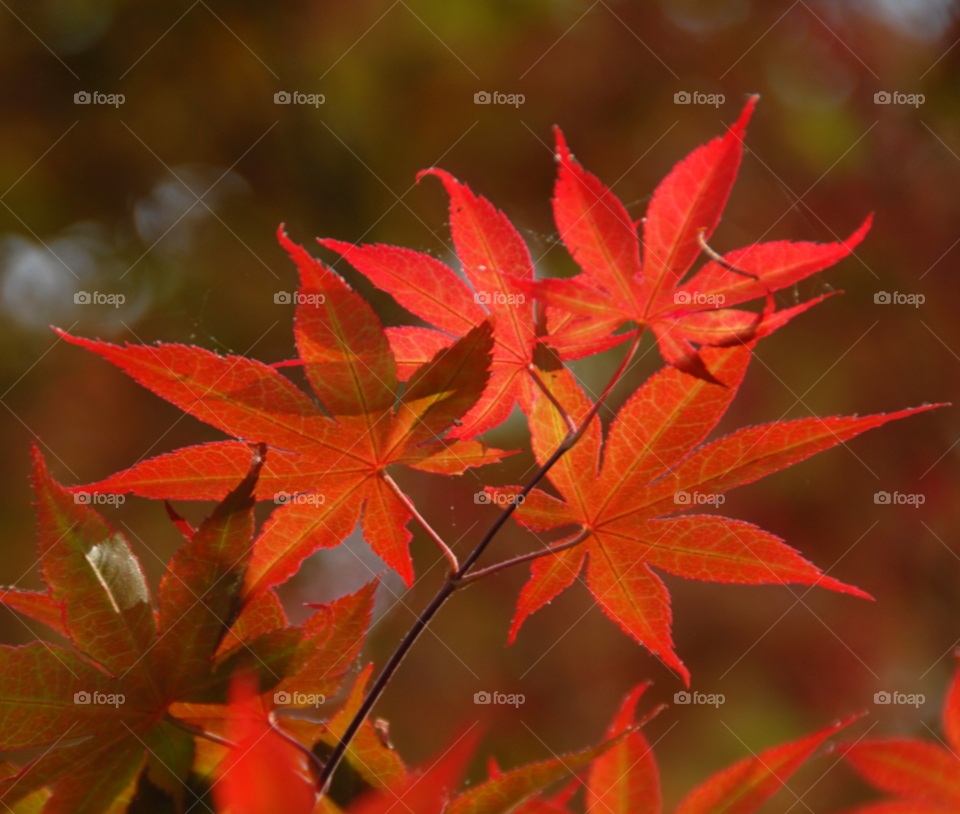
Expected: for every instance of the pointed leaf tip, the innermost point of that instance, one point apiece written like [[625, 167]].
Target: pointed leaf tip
[[562, 152], [747, 112], [743, 787]]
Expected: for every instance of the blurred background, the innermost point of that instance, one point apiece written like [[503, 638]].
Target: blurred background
[[172, 196]]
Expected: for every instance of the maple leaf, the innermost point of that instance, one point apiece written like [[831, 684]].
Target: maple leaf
[[429, 790], [493, 257], [626, 778], [331, 642], [375, 762], [745, 786], [615, 288], [505, 792], [327, 469], [921, 776], [93, 576], [262, 771], [652, 462], [32, 803], [623, 776], [109, 700], [369, 762], [39, 606]]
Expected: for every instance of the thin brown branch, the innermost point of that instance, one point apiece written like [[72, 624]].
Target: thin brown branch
[[455, 580], [533, 555], [444, 548]]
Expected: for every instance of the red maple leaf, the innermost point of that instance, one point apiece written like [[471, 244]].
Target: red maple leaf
[[262, 771], [427, 789], [494, 258], [326, 469], [923, 777], [615, 288], [653, 467], [100, 714], [624, 777]]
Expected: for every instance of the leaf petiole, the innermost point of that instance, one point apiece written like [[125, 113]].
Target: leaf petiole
[[534, 555], [447, 551], [198, 731]]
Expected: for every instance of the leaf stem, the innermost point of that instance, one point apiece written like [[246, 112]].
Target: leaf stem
[[198, 731], [534, 555], [569, 440], [456, 579], [447, 551], [316, 765]]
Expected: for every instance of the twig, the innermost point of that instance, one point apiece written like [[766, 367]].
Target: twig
[[455, 580], [565, 444], [447, 552], [198, 731], [316, 765], [449, 586], [534, 555]]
